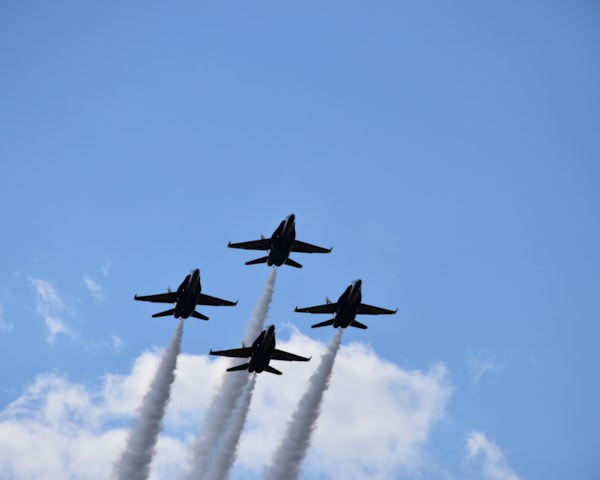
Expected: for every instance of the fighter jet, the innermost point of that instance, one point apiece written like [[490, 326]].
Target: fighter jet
[[260, 353], [346, 308], [282, 242], [185, 299]]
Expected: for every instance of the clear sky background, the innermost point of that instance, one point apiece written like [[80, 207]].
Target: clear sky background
[[448, 151]]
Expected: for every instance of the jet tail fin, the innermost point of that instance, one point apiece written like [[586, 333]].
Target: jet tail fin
[[196, 314], [270, 369], [258, 260], [166, 313], [358, 325], [243, 366], [323, 324], [292, 263]]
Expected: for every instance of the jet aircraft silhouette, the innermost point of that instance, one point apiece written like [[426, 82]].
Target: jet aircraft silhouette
[[260, 353], [346, 308], [282, 242], [187, 296]]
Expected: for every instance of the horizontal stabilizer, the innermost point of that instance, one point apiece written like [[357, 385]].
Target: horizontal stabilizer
[[258, 260], [196, 314], [243, 366], [358, 325], [270, 369], [323, 324], [166, 313], [292, 263]]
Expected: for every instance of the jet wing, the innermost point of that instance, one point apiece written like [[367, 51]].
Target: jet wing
[[214, 301], [234, 352], [303, 247], [365, 309], [327, 308], [170, 297], [290, 357], [262, 244]]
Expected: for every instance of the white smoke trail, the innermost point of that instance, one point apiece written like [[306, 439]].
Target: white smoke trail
[[287, 459], [261, 311], [222, 404], [226, 450], [135, 460]]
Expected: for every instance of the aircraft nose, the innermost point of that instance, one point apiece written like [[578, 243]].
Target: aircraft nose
[[292, 217]]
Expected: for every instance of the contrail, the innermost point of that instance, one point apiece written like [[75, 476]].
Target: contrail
[[222, 404], [226, 450], [135, 461], [287, 459]]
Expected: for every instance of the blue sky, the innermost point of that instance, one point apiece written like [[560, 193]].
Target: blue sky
[[448, 152]]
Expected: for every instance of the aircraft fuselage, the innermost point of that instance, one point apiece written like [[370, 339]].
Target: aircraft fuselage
[[281, 241], [348, 304], [187, 294], [262, 350]]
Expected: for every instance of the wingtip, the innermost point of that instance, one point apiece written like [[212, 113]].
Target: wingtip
[[296, 309]]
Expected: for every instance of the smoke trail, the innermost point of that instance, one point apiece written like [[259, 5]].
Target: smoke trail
[[287, 459], [222, 404], [261, 311], [135, 461], [227, 448]]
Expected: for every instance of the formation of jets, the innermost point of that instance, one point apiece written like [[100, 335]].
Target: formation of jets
[[262, 351]]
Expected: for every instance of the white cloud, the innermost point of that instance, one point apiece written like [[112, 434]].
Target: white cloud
[[375, 419], [94, 287], [50, 306], [482, 361], [488, 457]]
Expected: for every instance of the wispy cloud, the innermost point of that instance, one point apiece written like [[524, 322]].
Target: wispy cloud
[[94, 287], [482, 361], [50, 306], [4, 325], [488, 457], [117, 343], [106, 267]]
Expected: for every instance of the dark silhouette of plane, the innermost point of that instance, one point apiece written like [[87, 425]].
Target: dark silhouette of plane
[[346, 308], [282, 242], [185, 299], [260, 353]]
